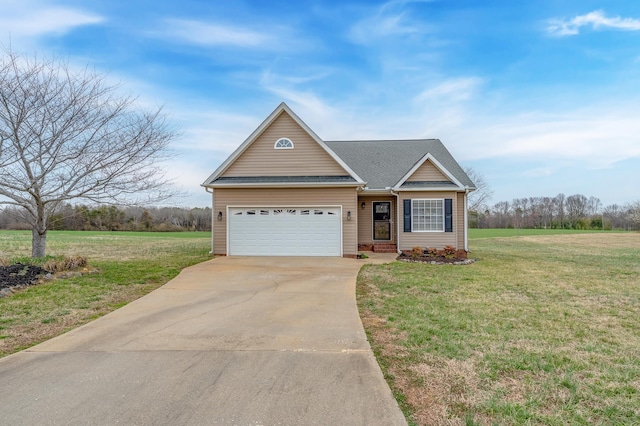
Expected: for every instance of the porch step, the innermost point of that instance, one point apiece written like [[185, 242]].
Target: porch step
[[385, 248]]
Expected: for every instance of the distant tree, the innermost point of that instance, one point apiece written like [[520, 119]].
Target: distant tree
[[634, 214], [483, 192], [576, 208], [560, 205], [66, 134]]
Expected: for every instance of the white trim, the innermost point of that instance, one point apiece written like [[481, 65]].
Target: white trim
[[398, 221], [261, 128], [283, 185], [466, 222], [370, 192], [275, 145], [226, 225], [213, 223], [436, 163], [430, 189], [444, 227]]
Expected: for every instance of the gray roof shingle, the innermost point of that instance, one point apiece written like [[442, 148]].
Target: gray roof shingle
[[383, 163]]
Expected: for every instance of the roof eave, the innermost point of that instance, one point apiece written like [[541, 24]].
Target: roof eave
[[284, 185], [431, 189]]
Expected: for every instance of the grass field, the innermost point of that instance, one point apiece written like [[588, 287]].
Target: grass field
[[543, 329], [130, 265], [475, 234]]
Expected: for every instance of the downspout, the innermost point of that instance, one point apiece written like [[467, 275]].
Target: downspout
[[397, 220], [466, 223], [210, 191]]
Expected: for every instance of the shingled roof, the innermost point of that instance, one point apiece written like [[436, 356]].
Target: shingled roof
[[383, 163]]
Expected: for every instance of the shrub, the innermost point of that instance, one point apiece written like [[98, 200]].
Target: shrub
[[67, 263], [417, 252], [432, 251], [449, 251], [461, 254]]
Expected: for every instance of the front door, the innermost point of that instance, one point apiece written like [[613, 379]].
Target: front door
[[382, 220]]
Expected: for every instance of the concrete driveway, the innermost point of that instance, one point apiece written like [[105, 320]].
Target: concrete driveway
[[235, 340]]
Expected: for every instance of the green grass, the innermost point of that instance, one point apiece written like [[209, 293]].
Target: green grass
[[506, 232], [543, 329], [128, 264]]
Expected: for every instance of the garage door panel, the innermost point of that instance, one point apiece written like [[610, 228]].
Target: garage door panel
[[286, 231]]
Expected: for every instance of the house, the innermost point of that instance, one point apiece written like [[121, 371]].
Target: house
[[286, 192]]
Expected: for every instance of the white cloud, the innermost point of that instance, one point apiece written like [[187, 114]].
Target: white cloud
[[215, 34], [33, 19], [597, 136], [388, 20], [538, 172], [596, 19], [451, 90]]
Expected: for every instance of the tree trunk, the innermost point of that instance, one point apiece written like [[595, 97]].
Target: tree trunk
[[38, 241]]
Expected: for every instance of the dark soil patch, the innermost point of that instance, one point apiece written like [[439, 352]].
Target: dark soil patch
[[20, 275], [436, 260]]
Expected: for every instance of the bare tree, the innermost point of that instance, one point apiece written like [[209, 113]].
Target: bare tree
[[576, 207], [483, 191], [634, 213], [560, 206], [66, 134]]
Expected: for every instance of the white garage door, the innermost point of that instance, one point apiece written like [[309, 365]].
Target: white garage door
[[284, 231]]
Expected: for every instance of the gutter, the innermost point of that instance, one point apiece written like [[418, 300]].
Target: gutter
[[210, 191], [397, 220], [466, 219], [284, 185]]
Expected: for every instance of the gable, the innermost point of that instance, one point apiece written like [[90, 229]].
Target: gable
[[428, 172], [307, 158]]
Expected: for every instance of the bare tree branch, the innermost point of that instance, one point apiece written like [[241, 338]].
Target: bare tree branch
[[483, 192], [66, 134]]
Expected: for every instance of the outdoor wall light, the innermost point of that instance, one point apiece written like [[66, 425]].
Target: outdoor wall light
[[349, 215], [362, 205], [219, 215]]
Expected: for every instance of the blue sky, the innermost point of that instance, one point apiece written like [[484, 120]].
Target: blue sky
[[541, 97]]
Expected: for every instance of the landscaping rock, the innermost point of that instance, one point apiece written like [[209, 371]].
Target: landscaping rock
[[19, 275]]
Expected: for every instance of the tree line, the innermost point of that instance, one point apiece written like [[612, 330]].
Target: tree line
[[559, 212], [113, 218]]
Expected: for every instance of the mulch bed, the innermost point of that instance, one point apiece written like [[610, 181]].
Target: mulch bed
[[20, 275], [435, 260]]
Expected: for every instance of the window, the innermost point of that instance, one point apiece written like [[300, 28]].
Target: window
[[427, 215], [283, 143]]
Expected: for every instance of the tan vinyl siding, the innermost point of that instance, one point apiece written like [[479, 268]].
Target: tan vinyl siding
[[287, 197], [427, 172], [307, 158], [459, 220], [408, 240], [365, 219]]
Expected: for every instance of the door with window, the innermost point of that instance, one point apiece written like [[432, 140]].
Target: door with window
[[382, 220]]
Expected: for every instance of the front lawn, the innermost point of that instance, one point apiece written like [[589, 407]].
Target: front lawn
[[543, 329], [129, 265]]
